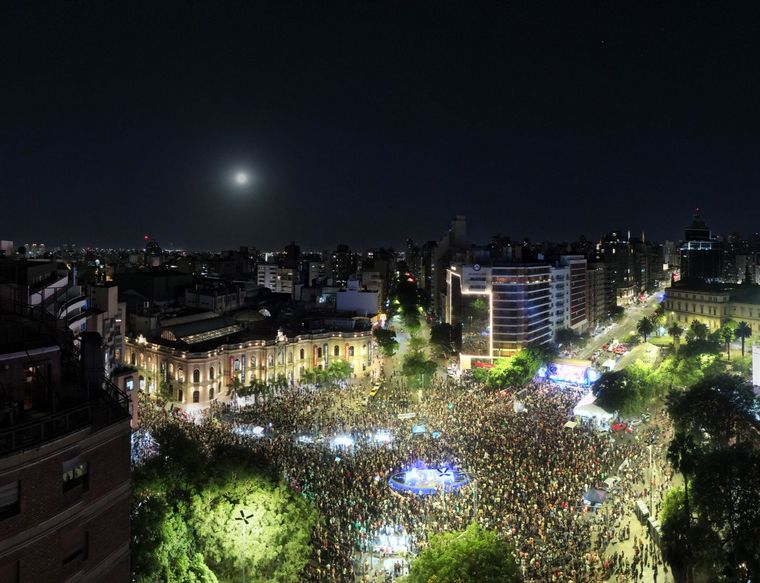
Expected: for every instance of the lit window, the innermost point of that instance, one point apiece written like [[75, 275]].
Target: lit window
[[75, 474]]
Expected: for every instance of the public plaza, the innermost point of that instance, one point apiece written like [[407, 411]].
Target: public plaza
[[386, 471]]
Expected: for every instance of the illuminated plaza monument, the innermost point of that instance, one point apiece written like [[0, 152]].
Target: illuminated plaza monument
[[419, 479]]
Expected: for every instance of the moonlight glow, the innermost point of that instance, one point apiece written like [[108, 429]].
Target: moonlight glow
[[241, 178]]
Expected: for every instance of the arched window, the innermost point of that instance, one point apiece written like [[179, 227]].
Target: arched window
[[336, 350], [196, 376], [196, 396], [350, 350], [181, 374], [180, 395], [211, 374], [171, 369], [211, 392], [132, 358], [319, 352], [290, 357], [142, 383], [302, 354], [271, 360]]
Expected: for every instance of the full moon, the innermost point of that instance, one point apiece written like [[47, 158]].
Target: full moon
[[241, 178]]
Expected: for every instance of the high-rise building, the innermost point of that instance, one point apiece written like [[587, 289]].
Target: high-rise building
[[521, 306], [315, 272], [501, 308], [616, 251], [266, 275], [560, 298], [343, 264], [600, 293], [578, 312], [700, 253], [64, 456]]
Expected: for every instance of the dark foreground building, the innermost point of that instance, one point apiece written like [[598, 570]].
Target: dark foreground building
[[64, 457]]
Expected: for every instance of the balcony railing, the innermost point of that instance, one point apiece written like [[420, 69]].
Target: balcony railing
[[106, 404]]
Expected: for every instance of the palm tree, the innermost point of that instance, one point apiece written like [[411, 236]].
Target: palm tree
[[726, 333], [645, 327], [743, 331], [675, 332]]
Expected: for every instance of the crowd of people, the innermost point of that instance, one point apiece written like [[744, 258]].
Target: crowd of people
[[528, 472]]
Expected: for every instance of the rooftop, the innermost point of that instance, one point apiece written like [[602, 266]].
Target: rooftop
[[746, 294]]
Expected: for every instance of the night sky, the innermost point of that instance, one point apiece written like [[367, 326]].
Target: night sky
[[369, 122]]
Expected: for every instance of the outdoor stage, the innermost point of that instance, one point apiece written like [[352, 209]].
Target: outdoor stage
[[422, 480]]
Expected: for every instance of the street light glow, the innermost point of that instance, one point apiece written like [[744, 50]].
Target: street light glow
[[241, 178]]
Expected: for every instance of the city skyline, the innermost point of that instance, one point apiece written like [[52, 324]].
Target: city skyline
[[122, 122]]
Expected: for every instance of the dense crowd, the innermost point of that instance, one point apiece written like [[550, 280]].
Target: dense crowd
[[529, 472]]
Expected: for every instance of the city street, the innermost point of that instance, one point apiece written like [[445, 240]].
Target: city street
[[621, 330]]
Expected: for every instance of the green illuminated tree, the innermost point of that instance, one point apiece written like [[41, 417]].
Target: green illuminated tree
[[474, 554], [185, 499], [518, 370], [338, 371], [275, 546]]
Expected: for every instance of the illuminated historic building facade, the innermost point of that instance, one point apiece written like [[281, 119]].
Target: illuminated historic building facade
[[713, 304], [195, 378]]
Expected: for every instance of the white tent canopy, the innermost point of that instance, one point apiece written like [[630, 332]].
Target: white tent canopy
[[586, 408]]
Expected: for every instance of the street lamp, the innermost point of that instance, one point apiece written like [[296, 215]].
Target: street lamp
[[244, 521]]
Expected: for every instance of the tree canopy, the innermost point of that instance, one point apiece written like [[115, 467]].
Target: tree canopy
[[418, 369], [517, 370], [722, 407], [712, 524], [623, 391], [474, 554], [445, 339], [569, 337], [645, 327], [335, 372], [386, 339], [184, 503]]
